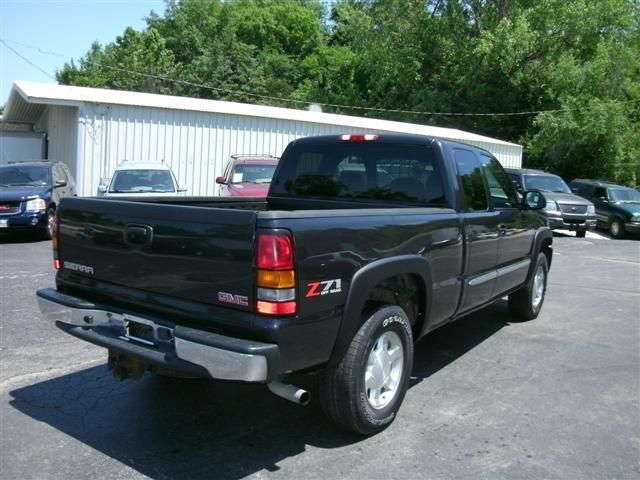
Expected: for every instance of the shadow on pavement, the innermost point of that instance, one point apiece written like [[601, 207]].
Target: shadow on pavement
[[196, 429], [448, 343], [21, 237]]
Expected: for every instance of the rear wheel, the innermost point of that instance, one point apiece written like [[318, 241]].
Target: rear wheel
[[616, 228], [526, 302], [364, 391]]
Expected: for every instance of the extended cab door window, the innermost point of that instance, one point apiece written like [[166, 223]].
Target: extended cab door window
[[480, 231]]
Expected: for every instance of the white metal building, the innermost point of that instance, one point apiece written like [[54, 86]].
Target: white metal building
[[92, 130]]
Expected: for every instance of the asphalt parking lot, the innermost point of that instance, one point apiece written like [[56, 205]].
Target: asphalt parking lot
[[558, 397]]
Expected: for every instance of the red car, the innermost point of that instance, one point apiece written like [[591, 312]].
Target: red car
[[247, 176]]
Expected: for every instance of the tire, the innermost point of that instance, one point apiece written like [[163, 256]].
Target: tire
[[526, 303], [581, 233], [47, 233], [616, 228], [364, 391]]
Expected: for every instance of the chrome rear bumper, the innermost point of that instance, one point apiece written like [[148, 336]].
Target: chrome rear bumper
[[163, 343]]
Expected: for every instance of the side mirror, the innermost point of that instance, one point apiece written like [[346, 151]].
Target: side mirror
[[574, 190], [533, 200], [221, 181], [102, 189], [182, 190], [603, 199], [60, 183]]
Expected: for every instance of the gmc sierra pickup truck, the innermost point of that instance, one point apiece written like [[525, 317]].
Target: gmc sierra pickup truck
[[364, 244]]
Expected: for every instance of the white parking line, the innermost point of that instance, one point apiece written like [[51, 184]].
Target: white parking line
[[594, 235], [23, 275]]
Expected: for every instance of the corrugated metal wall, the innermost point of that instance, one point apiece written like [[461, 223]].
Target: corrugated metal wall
[[61, 126], [195, 145]]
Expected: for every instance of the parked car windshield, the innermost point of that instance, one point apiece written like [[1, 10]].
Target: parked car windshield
[[624, 195], [137, 181], [548, 183], [15, 175], [248, 173]]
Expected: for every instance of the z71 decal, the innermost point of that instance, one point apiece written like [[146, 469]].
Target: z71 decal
[[315, 289]]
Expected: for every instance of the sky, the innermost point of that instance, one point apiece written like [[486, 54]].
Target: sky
[[66, 28]]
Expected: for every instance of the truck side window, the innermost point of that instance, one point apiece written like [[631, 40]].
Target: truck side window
[[470, 171], [501, 189], [600, 193], [585, 190]]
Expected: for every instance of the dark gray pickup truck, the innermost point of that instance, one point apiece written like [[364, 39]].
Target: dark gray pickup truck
[[364, 244]]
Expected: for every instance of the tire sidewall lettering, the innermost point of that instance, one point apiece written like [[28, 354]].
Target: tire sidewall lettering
[[390, 321]]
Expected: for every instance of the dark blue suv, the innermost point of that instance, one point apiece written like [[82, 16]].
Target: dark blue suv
[[30, 192]]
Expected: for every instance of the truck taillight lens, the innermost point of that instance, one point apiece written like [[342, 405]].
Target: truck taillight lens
[[55, 241], [275, 278], [275, 251], [273, 308]]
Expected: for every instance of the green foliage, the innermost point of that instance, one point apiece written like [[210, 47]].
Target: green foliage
[[575, 60], [110, 66]]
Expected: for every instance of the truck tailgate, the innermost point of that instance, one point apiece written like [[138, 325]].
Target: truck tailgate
[[199, 254]]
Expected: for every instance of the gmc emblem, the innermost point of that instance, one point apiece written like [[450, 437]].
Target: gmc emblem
[[234, 299]]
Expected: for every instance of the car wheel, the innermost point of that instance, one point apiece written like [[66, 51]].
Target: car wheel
[[526, 302], [616, 228], [581, 233], [48, 231], [364, 391]]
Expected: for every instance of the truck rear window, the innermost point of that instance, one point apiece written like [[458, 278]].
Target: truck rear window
[[400, 173]]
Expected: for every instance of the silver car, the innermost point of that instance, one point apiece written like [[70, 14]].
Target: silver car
[[564, 209], [141, 179]]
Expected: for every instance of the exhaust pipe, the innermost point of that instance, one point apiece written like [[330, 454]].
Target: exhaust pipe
[[290, 392]]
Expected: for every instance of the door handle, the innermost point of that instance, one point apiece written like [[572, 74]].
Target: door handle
[[442, 243], [138, 235]]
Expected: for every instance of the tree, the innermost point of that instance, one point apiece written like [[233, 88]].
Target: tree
[[135, 61], [566, 71]]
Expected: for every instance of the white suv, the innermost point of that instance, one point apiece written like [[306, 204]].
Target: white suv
[[141, 178]]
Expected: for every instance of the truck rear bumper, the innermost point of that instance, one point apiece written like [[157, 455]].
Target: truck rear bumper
[[160, 342]]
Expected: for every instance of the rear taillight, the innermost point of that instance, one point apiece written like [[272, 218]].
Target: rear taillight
[[359, 137], [55, 241], [275, 278]]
